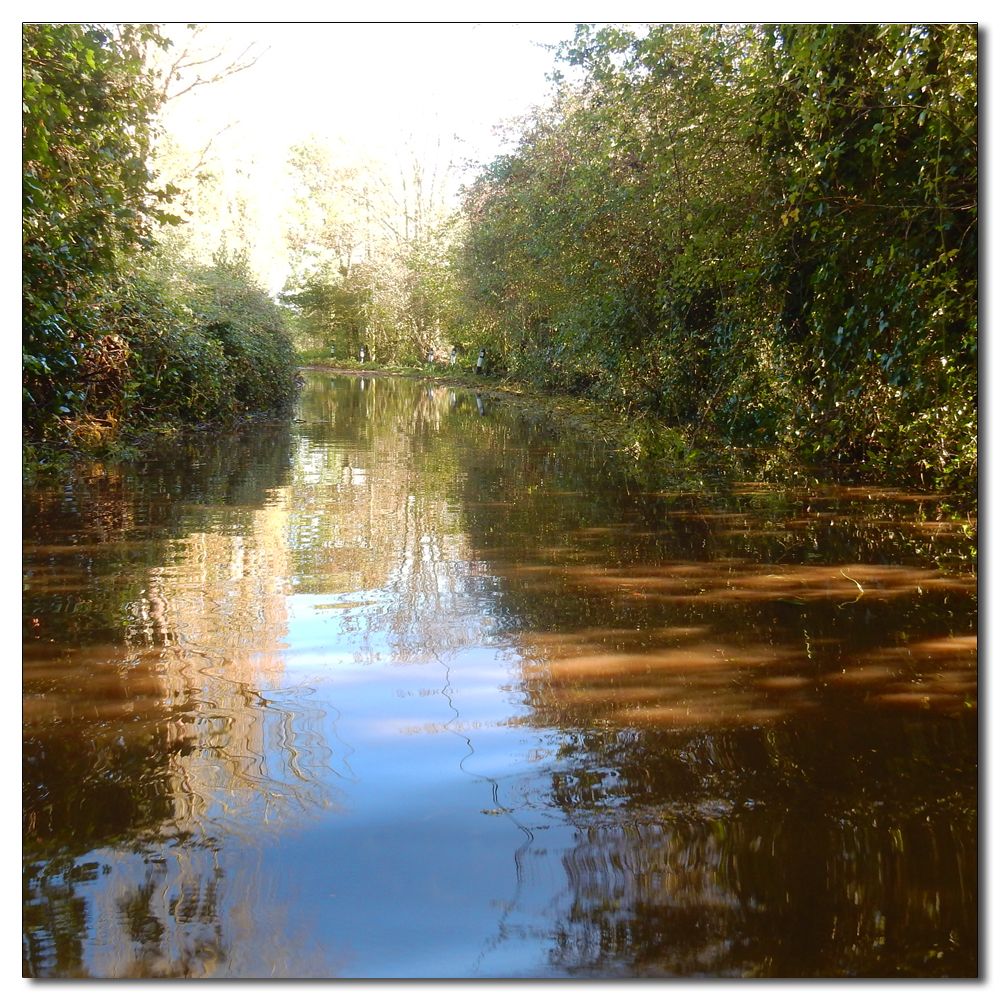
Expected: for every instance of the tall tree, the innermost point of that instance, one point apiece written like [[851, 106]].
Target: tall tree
[[768, 231]]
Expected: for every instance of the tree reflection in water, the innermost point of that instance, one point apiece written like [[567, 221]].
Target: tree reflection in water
[[175, 733], [766, 707], [768, 852], [738, 736]]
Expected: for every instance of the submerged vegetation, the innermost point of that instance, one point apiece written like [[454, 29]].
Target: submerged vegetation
[[755, 236]]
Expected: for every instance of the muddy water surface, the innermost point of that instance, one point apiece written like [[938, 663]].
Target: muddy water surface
[[416, 687]]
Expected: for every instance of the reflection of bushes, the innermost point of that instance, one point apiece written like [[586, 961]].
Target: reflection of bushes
[[814, 651], [822, 849], [118, 736], [86, 782], [81, 783]]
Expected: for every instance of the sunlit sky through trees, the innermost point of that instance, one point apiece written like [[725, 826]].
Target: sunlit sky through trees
[[430, 97], [374, 84]]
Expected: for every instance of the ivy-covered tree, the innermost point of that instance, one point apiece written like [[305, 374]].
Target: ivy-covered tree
[[116, 334]]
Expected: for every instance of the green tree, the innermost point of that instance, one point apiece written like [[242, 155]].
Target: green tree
[[871, 138], [369, 242], [768, 233], [615, 238], [88, 198]]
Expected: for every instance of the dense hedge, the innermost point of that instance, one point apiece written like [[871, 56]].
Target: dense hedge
[[205, 342]]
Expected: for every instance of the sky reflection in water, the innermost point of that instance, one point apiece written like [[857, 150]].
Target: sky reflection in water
[[406, 690]]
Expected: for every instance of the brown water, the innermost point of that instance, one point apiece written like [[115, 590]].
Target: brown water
[[406, 689]]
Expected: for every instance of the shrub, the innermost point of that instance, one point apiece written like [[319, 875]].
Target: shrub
[[237, 314], [181, 344]]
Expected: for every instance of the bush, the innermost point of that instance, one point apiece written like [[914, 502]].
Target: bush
[[178, 373], [178, 345], [113, 338], [88, 202], [235, 313]]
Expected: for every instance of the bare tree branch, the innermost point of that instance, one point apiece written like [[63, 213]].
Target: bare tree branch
[[194, 56]]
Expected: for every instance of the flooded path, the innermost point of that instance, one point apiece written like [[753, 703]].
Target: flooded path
[[414, 687]]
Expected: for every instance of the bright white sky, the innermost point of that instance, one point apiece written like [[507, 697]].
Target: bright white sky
[[375, 84]]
